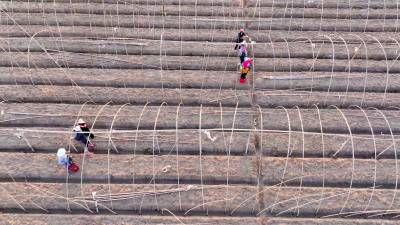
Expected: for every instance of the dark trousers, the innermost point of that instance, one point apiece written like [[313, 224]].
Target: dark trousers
[[82, 138], [243, 75], [242, 56]]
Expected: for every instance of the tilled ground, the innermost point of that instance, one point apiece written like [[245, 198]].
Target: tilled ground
[[311, 138]]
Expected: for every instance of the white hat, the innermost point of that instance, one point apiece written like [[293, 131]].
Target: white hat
[[61, 152], [80, 121]]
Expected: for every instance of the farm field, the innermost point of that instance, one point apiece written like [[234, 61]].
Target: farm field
[[311, 138]]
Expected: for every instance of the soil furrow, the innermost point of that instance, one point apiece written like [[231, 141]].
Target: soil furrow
[[296, 172], [275, 11], [349, 52], [279, 200], [265, 3], [150, 22], [30, 218], [215, 35], [197, 79], [206, 63]]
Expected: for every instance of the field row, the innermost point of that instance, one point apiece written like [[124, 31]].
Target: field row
[[176, 22], [248, 3], [194, 97], [195, 200], [316, 51], [199, 35], [277, 10], [146, 117], [206, 63], [29, 219], [203, 169], [198, 79]]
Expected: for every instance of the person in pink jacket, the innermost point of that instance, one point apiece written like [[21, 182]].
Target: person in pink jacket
[[245, 69]]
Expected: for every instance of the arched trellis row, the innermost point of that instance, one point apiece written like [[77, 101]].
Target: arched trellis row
[[325, 83], [335, 82], [60, 34], [206, 59], [329, 15], [313, 134], [325, 162], [318, 64], [325, 12]]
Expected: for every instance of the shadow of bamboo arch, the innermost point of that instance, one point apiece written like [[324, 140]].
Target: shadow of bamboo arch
[[200, 158], [291, 15], [222, 80], [323, 157], [85, 153], [289, 58], [397, 15], [366, 66], [348, 194], [69, 149], [314, 56], [273, 51], [134, 149], [303, 157], [161, 62], [352, 152], [262, 191], [153, 156], [229, 152], [12, 62], [312, 45], [348, 66], [395, 156], [351, 14], [395, 61], [257, 8], [222, 127], [375, 153], [289, 152], [108, 151], [398, 56], [32, 38], [272, 16], [387, 68], [368, 12], [177, 153], [384, 15], [274, 55], [333, 64], [322, 17]]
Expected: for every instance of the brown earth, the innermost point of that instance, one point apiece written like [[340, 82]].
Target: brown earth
[[311, 138]]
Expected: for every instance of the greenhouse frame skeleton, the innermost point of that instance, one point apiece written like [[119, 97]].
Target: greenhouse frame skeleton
[[311, 138]]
